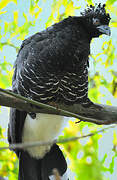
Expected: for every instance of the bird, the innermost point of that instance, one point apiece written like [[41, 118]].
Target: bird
[[52, 67]]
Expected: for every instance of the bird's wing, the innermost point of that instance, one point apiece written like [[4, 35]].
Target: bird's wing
[[36, 55], [40, 58]]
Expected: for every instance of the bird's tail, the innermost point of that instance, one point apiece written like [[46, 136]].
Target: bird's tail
[[42, 169]]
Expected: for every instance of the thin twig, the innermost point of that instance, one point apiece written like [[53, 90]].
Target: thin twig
[[10, 44], [61, 141]]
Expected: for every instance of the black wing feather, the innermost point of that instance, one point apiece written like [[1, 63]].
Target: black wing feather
[[17, 119], [51, 66]]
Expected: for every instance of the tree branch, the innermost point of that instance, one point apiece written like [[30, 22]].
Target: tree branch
[[96, 113], [46, 143]]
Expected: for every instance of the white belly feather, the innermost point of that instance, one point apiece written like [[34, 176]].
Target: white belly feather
[[45, 127]]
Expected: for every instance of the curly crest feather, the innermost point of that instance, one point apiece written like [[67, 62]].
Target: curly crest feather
[[97, 11]]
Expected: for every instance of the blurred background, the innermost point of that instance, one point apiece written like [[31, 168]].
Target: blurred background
[[92, 158]]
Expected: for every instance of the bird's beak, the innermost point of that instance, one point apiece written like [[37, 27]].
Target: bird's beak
[[104, 29]]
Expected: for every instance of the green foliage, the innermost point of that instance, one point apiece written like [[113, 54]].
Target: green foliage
[[89, 2], [4, 3], [8, 160], [83, 154], [110, 2], [56, 14], [5, 74]]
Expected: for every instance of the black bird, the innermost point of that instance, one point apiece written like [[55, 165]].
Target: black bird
[[52, 67]]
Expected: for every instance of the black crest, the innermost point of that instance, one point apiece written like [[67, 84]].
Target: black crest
[[97, 11]]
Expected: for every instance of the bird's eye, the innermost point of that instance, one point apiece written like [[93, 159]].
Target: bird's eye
[[96, 22]]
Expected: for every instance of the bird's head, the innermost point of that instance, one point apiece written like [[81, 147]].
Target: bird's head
[[97, 20]]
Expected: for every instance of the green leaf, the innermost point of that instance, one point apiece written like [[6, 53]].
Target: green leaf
[[89, 2], [4, 3], [110, 2]]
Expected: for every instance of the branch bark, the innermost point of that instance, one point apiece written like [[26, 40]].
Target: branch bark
[[96, 113]]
